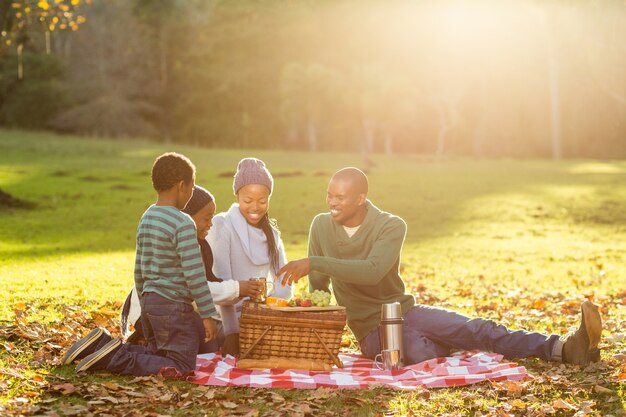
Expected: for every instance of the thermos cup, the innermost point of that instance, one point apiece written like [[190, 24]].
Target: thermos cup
[[390, 330], [389, 360]]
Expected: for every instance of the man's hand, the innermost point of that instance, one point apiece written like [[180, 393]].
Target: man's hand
[[293, 271], [231, 345], [210, 329]]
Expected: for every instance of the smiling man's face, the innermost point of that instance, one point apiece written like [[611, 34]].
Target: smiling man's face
[[346, 204]]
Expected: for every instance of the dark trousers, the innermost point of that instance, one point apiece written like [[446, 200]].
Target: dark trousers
[[138, 338], [171, 330], [431, 332]]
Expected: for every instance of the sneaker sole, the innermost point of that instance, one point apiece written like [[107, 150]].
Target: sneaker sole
[[81, 345], [90, 360], [593, 321]]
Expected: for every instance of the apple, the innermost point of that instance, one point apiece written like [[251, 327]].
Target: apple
[[306, 303]]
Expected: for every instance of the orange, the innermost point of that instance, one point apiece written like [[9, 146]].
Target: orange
[[276, 302]]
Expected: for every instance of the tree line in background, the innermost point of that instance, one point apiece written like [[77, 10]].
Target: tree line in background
[[523, 79]]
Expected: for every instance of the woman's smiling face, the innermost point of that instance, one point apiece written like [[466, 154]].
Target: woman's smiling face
[[254, 201]]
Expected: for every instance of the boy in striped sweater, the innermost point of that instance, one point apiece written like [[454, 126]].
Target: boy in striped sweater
[[169, 276]]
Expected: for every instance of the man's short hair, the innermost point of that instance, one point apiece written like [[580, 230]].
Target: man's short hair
[[170, 169], [355, 176]]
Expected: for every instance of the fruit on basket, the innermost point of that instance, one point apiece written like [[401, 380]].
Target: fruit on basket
[[317, 298], [276, 302]]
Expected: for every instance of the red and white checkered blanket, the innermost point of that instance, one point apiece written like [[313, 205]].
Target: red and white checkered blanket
[[463, 368]]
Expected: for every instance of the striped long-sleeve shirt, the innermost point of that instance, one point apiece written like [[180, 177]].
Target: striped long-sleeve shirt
[[168, 260]]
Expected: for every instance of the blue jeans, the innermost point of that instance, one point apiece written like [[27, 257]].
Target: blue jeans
[[172, 332], [205, 347], [431, 332]]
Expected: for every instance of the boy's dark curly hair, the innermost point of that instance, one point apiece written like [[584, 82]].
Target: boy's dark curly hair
[[171, 168]]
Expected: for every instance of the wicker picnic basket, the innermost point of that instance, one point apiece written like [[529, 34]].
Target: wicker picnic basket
[[266, 333]]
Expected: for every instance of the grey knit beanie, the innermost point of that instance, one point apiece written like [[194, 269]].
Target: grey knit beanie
[[199, 199], [252, 171]]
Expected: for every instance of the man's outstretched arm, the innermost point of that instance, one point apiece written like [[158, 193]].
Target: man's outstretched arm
[[384, 254]]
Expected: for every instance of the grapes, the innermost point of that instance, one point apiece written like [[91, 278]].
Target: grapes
[[318, 298]]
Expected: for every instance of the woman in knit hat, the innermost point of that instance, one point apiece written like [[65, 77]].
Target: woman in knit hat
[[201, 207], [247, 241]]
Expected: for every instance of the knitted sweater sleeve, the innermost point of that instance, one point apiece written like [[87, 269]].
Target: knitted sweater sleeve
[[138, 274], [317, 279], [225, 292], [219, 239], [369, 271], [188, 250]]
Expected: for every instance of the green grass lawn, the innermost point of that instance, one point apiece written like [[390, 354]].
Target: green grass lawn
[[511, 240]]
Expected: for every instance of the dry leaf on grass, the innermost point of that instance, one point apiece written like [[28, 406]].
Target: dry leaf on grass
[[65, 389], [228, 404], [563, 405], [518, 404]]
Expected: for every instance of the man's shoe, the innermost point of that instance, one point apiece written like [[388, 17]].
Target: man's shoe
[[86, 346], [581, 347], [100, 358]]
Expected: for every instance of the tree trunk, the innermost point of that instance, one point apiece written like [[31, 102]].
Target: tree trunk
[[555, 108], [47, 36], [245, 126], [163, 38], [443, 130], [292, 133], [67, 47], [550, 27], [388, 143], [479, 133], [20, 63], [62, 45], [5, 7], [312, 135], [369, 134], [101, 60]]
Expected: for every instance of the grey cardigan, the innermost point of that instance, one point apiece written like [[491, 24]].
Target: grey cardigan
[[240, 253]]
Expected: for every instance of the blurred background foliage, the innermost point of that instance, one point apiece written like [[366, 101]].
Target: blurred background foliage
[[522, 78]]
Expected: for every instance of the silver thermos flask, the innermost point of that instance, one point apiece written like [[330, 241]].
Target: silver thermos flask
[[390, 329]]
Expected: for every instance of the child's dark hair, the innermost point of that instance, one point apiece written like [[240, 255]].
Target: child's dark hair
[[171, 168]]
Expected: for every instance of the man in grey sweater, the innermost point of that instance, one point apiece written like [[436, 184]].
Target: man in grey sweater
[[356, 248]]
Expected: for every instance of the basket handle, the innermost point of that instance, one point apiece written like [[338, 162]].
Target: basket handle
[[335, 359], [256, 342]]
